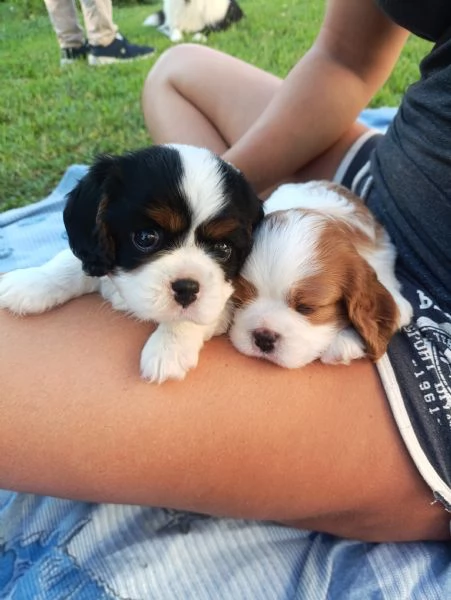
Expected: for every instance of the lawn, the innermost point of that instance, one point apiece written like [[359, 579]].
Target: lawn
[[52, 117]]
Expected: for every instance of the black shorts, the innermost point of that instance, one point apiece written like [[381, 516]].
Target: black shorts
[[416, 370]]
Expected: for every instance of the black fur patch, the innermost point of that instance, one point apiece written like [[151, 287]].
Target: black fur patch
[[111, 201], [114, 204], [233, 15]]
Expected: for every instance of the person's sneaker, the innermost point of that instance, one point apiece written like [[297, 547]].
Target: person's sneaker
[[119, 50], [70, 55]]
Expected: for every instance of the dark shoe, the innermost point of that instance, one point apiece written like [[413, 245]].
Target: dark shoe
[[119, 50], [70, 55]]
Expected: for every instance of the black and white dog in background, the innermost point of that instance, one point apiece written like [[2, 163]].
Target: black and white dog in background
[[160, 233], [194, 16]]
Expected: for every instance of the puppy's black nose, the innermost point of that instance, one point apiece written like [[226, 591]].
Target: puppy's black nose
[[185, 291], [265, 339]]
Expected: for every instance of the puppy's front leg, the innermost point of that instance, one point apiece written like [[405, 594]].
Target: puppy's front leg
[[347, 346], [37, 289], [176, 36], [172, 350]]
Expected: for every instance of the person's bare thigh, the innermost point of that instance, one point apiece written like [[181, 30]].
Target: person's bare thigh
[[229, 93], [197, 95], [316, 446]]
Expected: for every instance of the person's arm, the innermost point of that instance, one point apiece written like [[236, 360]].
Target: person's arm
[[322, 96]]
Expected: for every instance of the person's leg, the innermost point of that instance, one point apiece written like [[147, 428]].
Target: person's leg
[[98, 16], [315, 447], [200, 96], [64, 19], [106, 44], [197, 95]]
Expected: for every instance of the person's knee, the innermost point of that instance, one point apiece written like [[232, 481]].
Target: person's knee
[[173, 63], [171, 76]]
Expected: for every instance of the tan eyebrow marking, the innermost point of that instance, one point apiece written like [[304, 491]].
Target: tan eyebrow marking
[[220, 228], [167, 218]]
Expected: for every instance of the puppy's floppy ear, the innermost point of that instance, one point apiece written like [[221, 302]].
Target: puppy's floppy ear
[[85, 216], [250, 204], [371, 308], [243, 291], [256, 208]]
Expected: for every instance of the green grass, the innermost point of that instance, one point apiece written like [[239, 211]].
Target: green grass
[[51, 118]]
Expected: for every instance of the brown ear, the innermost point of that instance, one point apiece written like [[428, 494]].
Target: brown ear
[[371, 308], [243, 291]]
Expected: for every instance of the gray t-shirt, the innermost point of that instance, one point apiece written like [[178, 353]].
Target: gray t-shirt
[[412, 164]]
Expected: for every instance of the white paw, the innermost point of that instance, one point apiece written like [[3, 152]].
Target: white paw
[[27, 291], [35, 290], [405, 310], [168, 357], [152, 20], [200, 38], [176, 36], [347, 346]]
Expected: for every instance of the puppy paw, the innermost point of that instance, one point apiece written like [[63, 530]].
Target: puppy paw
[[37, 289], [26, 291], [152, 20], [405, 310], [347, 346], [176, 36], [167, 356], [199, 38]]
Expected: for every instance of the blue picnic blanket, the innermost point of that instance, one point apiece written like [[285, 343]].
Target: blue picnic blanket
[[54, 549]]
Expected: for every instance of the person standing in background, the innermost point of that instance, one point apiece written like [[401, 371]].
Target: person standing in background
[[104, 44]]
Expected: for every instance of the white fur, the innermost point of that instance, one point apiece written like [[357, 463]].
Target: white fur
[[148, 295], [188, 17], [173, 350], [146, 292], [299, 342], [203, 187], [278, 258], [316, 196], [37, 289], [288, 253]]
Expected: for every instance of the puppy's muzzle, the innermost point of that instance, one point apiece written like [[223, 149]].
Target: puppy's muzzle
[[265, 339], [185, 291]]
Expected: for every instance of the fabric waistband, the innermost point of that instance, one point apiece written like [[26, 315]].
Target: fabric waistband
[[354, 170]]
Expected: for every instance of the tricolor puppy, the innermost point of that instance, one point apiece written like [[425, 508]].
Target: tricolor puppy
[[194, 16], [161, 233], [319, 282]]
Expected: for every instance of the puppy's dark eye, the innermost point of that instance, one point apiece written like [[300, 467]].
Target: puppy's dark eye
[[223, 251], [305, 309], [146, 240]]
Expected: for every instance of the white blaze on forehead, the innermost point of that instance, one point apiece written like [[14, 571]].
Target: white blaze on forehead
[[318, 195], [314, 195], [201, 183], [284, 252]]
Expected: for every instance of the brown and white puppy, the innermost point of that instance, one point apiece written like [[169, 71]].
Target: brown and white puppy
[[161, 233], [319, 282]]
